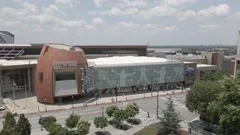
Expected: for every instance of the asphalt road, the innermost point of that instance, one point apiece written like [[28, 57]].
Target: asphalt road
[[88, 113]]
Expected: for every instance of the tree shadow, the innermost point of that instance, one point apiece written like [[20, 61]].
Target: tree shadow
[[102, 133]]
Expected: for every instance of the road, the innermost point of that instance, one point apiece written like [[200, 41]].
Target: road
[[88, 113]]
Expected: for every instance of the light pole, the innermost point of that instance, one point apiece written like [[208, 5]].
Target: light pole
[[144, 90], [72, 102], [45, 105], [25, 90]]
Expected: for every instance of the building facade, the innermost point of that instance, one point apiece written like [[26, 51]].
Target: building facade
[[58, 72]]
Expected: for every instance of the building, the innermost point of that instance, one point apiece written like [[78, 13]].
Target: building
[[235, 61], [6, 37], [60, 72]]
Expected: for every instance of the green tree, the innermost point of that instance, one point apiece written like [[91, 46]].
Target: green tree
[[49, 121], [9, 124], [230, 121], [72, 120], [200, 96], [101, 122], [83, 127], [23, 126], [214, 76], [110, 110], [169, 123], [132, 109], [57, 129], [120, 115]]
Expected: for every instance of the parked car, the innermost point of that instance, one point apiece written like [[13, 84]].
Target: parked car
[[42, 120], [2, 107]]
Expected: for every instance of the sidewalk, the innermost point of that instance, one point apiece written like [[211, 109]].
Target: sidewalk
[[30, 105]]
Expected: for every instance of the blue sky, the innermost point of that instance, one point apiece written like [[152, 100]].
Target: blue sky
[[159, 22]]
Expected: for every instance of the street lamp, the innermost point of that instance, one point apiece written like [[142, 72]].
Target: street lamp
[[72, 102], [45, 105]]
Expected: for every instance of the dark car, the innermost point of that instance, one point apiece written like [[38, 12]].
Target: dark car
[[42, 120]]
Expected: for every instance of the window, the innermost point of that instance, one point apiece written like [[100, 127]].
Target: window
[[65, 76], [40, 75]]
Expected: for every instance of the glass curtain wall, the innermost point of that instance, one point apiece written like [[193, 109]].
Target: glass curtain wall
[[15, 80]]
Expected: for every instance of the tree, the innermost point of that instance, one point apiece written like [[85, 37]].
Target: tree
[[200, 96], [132, 109], [49, 121], [120, 115], [169, 123], [83, 127], [101, 122], [57, 129], [23, 126], [110, 110], [72, 120], [214, 76], [230, 121], [9, 125]]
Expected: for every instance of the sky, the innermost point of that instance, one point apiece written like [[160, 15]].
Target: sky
[[122, 22]]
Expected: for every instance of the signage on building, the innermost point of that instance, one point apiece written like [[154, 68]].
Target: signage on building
[[189, 71], [64, 64]]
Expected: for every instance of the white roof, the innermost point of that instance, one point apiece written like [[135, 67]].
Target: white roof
[[17, 62], [25, 45], [205, 66], [126, 60]]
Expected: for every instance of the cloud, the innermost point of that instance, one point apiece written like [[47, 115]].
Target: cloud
[[90, 27], [60, 29], [115, 11], [92, 12], [97, 21], [179, 2], [220, 10], [51, 9], [189, 14], [209, 27], [120, 3], [4, 23], [64, 3], [129, 26], [170, 28], [149, 26], [158, 12], [27, 8]]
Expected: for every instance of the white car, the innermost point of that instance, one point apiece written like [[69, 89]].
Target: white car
[[2, 107]]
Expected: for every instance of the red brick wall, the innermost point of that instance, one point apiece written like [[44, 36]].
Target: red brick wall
[[44, 89]]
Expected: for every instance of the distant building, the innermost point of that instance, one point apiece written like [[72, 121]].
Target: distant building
[[6, 37]]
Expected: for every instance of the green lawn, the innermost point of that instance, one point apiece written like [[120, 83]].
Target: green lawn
[[152, 130], [149, 130]]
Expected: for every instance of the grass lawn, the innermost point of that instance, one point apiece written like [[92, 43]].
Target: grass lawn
[[152, 130]]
